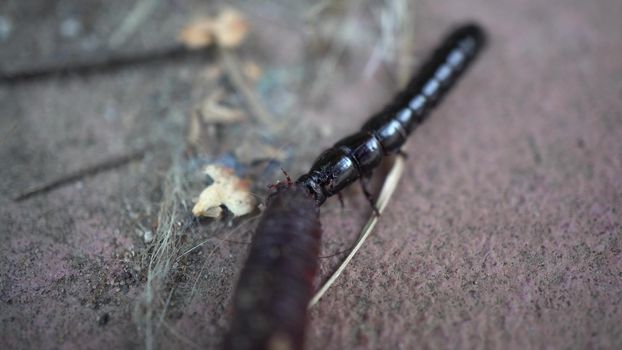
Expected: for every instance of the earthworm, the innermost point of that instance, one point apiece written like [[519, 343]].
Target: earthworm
[[276, 283]]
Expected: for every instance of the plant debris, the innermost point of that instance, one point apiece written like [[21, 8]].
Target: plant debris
[[227, 190], [228, 30], [148, 236], [92, 170], [213, 111], [209, 113], [254, 149]]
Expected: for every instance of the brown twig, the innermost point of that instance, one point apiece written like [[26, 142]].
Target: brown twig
[[106, 165], [141, 11], [103, 63]]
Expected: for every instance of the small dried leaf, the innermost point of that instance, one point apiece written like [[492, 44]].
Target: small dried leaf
[[255, 150], [214, 112], [228, 190], [228, 29], [231, 28], [198, 34], [194, 129]]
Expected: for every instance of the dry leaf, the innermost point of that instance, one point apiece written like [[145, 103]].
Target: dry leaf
[[228, 29], [254, 148], [254, 151], [214, 112], [194, 129], [231, 28], [198, 34], [228, 190]]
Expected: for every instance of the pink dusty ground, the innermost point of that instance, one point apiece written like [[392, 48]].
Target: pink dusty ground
[[506, 229]]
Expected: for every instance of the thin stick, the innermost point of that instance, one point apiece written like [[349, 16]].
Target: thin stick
[[254, 104], [141, 11], [98, 64], [388, 188], [106, 165]]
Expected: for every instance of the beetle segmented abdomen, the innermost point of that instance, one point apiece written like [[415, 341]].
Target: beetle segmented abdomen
[[358, 154], [364, 149], [440, 73], [387, 130], [335, 169]]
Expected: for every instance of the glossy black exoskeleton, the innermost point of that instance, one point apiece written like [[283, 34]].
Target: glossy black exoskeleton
[[384, 133]]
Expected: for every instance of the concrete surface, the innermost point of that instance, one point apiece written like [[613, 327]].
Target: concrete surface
[[506, 230]]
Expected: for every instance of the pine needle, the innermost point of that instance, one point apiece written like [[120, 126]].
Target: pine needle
[[388, 188]]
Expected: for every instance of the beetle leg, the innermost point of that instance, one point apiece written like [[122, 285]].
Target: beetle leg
[[340, 196], [370, 198]]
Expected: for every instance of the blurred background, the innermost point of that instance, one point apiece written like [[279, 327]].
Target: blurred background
[[505, 230]]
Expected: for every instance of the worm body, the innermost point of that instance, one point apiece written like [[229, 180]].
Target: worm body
[[357, 155], [276, 283]]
